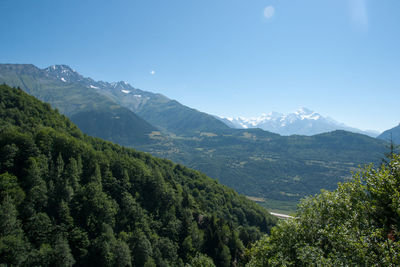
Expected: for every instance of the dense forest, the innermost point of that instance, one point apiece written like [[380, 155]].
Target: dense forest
[[70, 199], [356, 225]]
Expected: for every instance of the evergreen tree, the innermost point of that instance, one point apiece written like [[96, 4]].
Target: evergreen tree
[[62, 253], [13, 246]]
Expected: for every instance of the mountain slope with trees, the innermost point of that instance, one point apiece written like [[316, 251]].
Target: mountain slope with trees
[[67, 198]]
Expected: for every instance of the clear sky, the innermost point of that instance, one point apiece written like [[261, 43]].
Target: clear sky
[[340, 58]]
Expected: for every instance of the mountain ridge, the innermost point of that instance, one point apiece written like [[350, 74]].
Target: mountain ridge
[[391, 135], [155, 108]]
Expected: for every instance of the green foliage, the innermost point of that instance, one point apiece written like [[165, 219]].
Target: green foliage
[[9, 188], [201, 260], [69, 199], [62, 254], [13, 246], [355, 225]]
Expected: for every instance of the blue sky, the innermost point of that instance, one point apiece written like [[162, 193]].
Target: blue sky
[[340, 58]]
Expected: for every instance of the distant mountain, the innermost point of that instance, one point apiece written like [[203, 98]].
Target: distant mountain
[[301, 122], [391, 135], [94, 113], [168, 115]]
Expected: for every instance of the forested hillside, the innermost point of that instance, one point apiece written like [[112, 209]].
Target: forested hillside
[[66, 198], [355, 225]]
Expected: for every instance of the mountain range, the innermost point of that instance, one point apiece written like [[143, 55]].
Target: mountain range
[[302, 122], [252, 161], [157, 109]]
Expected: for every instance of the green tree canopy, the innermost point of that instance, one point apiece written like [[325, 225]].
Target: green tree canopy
[[355, 225]]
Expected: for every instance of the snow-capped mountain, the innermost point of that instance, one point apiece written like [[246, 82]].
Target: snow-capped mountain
[[64, 73], [302, 122]]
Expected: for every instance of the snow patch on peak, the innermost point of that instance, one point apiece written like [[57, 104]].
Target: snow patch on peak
[[62, 68], [63, 73], [307, 114], [94, 87], [312, 116], [303, 111], [125, 91]]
